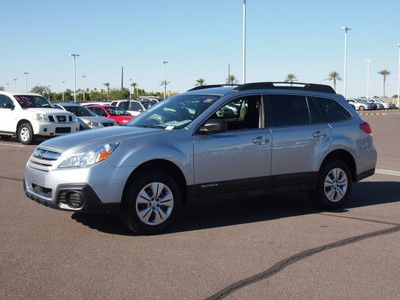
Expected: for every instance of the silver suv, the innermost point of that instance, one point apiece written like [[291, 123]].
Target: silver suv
[[210, 140]]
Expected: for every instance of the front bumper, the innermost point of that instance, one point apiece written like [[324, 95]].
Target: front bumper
[[54, 128]]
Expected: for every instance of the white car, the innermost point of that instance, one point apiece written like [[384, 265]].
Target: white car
[[133, 107], [28, 115]]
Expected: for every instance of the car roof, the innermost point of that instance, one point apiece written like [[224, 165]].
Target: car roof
[[67, 104], [18, 94]]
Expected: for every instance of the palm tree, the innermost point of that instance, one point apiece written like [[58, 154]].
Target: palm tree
[[231, 79], [334, 77], [385, 73], [107, 85], [291, 78], [134, 84], [165, 83], [200, 82]]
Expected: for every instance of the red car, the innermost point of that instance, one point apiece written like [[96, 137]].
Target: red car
[[114, 113]]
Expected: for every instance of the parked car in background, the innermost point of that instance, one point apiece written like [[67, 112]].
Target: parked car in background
[[378, 104], [86, 118], [134, 107], [147, 103], [27, 115], [386, 105], [122, 117], [368, 105], [357, 105]]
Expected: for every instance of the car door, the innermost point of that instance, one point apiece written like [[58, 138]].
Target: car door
[[238, 158], [299, 135], [8, 122]]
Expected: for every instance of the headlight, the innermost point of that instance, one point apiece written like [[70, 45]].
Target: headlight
[[42, 117], [94, 124], [89, 157]]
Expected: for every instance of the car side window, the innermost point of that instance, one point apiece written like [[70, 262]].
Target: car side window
[[135, 106], [5, 102], [332, 110], [241, 113], [124, 105], [288, 110], [316, 115]]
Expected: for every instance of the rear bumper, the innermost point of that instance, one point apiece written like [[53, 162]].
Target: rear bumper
[[90, 202]]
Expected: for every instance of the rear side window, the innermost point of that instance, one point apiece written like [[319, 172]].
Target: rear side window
[[288, 110], [124, 105], [5, 101], [331, 109], [135, 106]]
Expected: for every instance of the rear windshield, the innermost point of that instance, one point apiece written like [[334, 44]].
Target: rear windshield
[[30, 101], [79, 111]]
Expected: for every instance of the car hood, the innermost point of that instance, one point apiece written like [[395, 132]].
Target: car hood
[[47, 111], [76, 142]]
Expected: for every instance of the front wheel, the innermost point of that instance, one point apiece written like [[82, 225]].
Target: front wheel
[[25, 134], [151, 202], [334, 184], [361, 108]]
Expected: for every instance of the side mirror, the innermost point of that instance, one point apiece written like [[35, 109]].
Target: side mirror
[[213, 126]]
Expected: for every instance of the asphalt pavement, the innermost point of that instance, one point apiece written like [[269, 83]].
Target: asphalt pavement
[[276, 246]]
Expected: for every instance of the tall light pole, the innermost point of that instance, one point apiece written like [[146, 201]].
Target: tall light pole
[[368, 61], [63, 89], [398, 80], [83, 88], [165, 79], [26, 81], [74, 56], [244, 43], [15, 84], [346, 30], [130, 91]]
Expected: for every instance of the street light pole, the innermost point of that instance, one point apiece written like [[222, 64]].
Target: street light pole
[[165, 79], [398, 80], [15, 84], [74, 56], [368, 61], [83, 84], [130, 91], [62, 82], [346, 30], [244, 43], [26, 81]]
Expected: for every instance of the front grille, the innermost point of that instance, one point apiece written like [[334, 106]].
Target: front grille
[[107, 124], [63, 129], [51, 118], [42, 159]]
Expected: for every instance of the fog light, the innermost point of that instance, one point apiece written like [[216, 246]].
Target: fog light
[[74, 199], [45, 130]]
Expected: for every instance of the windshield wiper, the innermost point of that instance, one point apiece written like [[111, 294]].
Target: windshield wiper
[[151, 126]]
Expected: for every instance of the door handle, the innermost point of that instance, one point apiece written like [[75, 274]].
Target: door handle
[[260, 140], [319, 133]]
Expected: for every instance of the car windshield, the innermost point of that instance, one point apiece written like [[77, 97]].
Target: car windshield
[[175, 113], [79, 111], [31, 101], [115, 111]]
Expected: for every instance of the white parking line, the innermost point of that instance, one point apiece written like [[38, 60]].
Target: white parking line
[[12, 145], [387, 172]]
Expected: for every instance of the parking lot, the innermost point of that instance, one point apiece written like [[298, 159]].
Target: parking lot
[[275, 246]]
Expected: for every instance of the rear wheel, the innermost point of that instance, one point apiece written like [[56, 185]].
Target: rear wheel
[[25, 134], [151, 202], [361, 108], [334, 184]]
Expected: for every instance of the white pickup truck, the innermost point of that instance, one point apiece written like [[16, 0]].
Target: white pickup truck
[[28, 115]]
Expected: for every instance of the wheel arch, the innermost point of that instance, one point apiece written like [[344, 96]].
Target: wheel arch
[[344, 156], [163, 165], [21, 122]]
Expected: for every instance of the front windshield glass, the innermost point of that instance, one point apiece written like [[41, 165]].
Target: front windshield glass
[[115, 111], [79, 111], [31, 101], [175, 113]]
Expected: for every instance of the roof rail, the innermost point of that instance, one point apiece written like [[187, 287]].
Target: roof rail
[[210, 86], [287, 85]]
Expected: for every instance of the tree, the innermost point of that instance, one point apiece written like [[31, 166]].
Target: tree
[[200, 82], [231, 79], [291, 78], [134, 84], [165, 83], [385, 73], [334, 77], [107, 85], [41, 90]]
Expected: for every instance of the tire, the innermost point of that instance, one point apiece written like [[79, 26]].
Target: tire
[[148, 215], [361, 108], [25, 134], [327, 194]]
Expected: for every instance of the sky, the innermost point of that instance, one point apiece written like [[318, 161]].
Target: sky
[[198, 39]]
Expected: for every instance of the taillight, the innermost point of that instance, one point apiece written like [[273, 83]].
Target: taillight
[[366, 128]]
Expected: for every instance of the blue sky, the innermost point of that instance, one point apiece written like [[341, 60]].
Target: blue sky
[[198, 39]]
